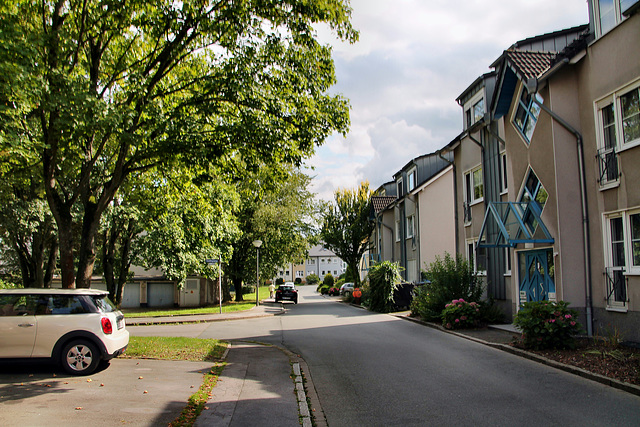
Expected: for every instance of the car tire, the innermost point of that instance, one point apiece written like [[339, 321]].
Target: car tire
[[80, 357]]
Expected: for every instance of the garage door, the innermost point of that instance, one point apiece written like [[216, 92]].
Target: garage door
[[131, 296], [160, 294]]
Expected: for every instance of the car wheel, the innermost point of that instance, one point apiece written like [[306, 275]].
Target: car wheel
[[80, 357]]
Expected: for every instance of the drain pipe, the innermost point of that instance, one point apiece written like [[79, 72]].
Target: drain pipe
[[585, 216]]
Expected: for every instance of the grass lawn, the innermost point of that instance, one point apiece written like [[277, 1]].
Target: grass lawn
[[248, 303], [175, 348]]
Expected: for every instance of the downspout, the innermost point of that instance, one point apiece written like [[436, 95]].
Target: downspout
[[585, 216], [456, 217]]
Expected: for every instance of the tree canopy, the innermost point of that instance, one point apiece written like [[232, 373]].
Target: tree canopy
[[94, 91], [346, 227]]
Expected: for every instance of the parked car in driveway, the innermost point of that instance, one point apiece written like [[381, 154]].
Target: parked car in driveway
[[287, 292], [80, 329], [346, 288]]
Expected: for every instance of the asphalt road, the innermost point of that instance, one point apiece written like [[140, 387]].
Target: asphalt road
[[377, 370]]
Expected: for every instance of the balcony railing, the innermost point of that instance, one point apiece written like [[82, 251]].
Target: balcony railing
[[608, 166], [616, 287]]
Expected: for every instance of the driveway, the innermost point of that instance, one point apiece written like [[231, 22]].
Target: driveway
[[129, 392]]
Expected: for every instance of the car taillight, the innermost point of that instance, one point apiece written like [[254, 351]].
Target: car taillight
[[107, 328]]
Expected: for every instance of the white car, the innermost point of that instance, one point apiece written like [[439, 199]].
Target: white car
[[79, 328]]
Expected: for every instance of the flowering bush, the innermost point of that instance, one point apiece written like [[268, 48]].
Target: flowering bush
[[334, 291], [547, 324], [460, 314]]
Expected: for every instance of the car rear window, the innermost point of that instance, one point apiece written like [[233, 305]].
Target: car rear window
[[104, 304]]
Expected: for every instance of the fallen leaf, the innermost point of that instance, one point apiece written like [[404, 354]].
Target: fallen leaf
[[145, 392], [78, 408], [66, 382], [89, 380], [101, 384], [140, 378], [206, 407]]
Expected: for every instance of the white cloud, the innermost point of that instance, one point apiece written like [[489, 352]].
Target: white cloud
[[402, 78]]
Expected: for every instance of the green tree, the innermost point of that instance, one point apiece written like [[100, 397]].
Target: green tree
[[278, 209], [102, 90], [346, 226]]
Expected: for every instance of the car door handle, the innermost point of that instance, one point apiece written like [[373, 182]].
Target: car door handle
[[26, 325]]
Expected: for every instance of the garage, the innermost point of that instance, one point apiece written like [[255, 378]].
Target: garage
[[160, 294], [131, 296]]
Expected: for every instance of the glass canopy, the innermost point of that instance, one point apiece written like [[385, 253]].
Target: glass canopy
[[508, 223]]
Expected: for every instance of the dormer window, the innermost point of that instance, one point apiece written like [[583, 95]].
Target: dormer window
[[474, 110], [400, 187], [411, 180], [610, 13]]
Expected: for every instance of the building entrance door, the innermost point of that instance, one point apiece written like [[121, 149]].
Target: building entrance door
[[537, 276]]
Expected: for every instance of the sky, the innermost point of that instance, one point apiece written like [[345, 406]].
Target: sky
[[402, 78]]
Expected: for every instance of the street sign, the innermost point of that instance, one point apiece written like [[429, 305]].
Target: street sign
[[212, 261]]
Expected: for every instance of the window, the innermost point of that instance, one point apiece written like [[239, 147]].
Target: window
[[410, 226], [474, 109], [397, 230], [533, 192], [630, 103], [503, 173], [618, 119], [474, 187], [527, 113], [478, 256], [411, 180], [312, 261], [299, 273], [610, 13], [478, 110], [400, 187], [507, 261], [622, 248]]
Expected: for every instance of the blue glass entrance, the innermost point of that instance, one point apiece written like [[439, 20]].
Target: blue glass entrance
[[537, 276]]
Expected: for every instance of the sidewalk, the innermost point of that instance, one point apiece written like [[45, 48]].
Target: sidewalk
[[259, 382]]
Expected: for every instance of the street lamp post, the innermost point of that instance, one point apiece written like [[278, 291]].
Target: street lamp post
[[257, 244]]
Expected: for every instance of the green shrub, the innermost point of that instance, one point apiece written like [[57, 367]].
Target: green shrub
[[298, 281], [490, 313], [279, 281], [248, 289], [449, 279], [547, 324], [328, 280], [459, 314], [324, 289], [313, 279], [333, 291], [383, 278]]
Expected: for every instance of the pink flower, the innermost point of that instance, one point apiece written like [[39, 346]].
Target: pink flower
[[461, 300], [477, 310], [457, 320], [567, 316], [552, 320], [448, 326], [573, 323], [463, 317]]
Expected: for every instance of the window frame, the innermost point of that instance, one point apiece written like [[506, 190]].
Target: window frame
[[411, 221], [504, 182], [412, 179], [528, 112], [470, 109], [618, 16], [472, 255], [469, 189], [615, 99]]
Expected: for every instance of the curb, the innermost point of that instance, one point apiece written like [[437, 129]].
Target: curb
[[629, 388]]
